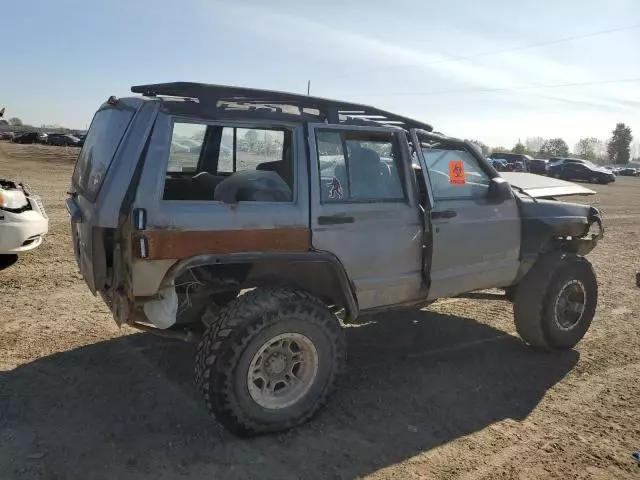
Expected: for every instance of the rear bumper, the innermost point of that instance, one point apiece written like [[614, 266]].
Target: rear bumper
[[21, 232]]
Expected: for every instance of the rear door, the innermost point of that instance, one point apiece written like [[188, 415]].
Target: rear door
[[364, 210], [476, 240], [99, 182]]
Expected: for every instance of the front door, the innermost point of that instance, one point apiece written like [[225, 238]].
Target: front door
[[364, 211], [476, 240]]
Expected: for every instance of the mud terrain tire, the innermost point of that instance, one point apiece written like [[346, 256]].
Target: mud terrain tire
[[556, 301], [229, 349]]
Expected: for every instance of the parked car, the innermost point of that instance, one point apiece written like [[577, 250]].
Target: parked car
[[538, 166], [629, 172], [29, 137], [555, 165], [23, 221], [517, 162], [6, 135], [584, 171], [260, 256], [81, 137], [62, 140], [499, 164]]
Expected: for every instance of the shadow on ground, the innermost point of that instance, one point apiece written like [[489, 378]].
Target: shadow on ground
[[126, 408]]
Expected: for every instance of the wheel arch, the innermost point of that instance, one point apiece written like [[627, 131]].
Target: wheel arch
[[319, 273]]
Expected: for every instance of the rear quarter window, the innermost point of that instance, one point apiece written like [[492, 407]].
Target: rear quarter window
[[103, 138]]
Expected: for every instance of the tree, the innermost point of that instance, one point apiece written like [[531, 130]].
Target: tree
[[15, 122], [554, 147], [251, 138], [484, 148], [619, 149], [534, 144], [600, 149], [586, 148], [520, 149]]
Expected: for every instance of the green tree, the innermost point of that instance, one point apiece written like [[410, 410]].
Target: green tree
[[554, 147], [619, 149], [15, 122], [499, 149], [586, 148], [520, 149]]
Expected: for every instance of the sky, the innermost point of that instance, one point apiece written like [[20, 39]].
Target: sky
[[467, 68]]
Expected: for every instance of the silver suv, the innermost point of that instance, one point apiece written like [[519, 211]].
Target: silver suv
[[257, 222]]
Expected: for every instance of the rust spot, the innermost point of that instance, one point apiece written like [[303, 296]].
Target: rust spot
[[177, 244]]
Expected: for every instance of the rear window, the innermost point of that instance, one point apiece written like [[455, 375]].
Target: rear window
[[104, 135]]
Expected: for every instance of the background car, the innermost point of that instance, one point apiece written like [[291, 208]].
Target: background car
[[585, 171], [512, 159], [629, 172], [29, 137], [555, 165], [499, 164], [62, 140], [539, 166]]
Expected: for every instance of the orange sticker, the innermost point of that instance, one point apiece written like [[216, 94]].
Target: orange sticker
[[456, 173]]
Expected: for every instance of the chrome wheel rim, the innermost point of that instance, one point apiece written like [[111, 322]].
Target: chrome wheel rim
[[570, 304], [282, 371]]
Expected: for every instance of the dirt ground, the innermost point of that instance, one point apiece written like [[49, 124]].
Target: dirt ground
[[446, 393]]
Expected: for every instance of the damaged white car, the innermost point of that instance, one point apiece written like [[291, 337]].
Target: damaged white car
[[23, 221]]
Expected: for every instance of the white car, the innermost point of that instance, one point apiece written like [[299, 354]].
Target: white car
[[23, 221]]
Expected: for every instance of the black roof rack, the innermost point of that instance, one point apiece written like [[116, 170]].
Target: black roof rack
[[220, 97]]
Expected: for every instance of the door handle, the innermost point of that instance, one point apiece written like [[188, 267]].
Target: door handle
[[443, 214], [334, 219]]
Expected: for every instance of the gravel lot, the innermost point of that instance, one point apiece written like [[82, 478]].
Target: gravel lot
[[444, 393]]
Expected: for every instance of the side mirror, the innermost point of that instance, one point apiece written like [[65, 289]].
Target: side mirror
[[500, 190]]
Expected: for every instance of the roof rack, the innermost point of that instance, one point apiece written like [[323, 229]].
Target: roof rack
[[224, 97]]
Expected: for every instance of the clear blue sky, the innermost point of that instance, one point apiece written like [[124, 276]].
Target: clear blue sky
[[62, 58]]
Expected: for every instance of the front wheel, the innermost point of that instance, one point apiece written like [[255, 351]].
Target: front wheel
[[556, 301], [6, 260], [271, 361]]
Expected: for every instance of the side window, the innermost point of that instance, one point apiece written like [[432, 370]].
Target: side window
[[186, 144], [455, 174], [359, 166], [229, 164], [258, 146]]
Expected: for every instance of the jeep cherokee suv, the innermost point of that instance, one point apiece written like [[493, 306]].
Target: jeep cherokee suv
[[268, 218]]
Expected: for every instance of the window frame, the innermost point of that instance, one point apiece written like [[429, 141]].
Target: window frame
[[395, 137], [251, 124]]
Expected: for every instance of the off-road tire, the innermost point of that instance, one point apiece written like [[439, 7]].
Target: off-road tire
[[534, 311], [230, 343]]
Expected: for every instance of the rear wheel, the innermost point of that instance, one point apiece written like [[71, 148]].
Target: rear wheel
[[271, 361], [556, 301], [593, 179]]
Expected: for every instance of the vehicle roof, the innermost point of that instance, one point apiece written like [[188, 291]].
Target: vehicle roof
[[259, 103]]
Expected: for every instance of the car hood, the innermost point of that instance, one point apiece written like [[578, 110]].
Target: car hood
[[538, 186]]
